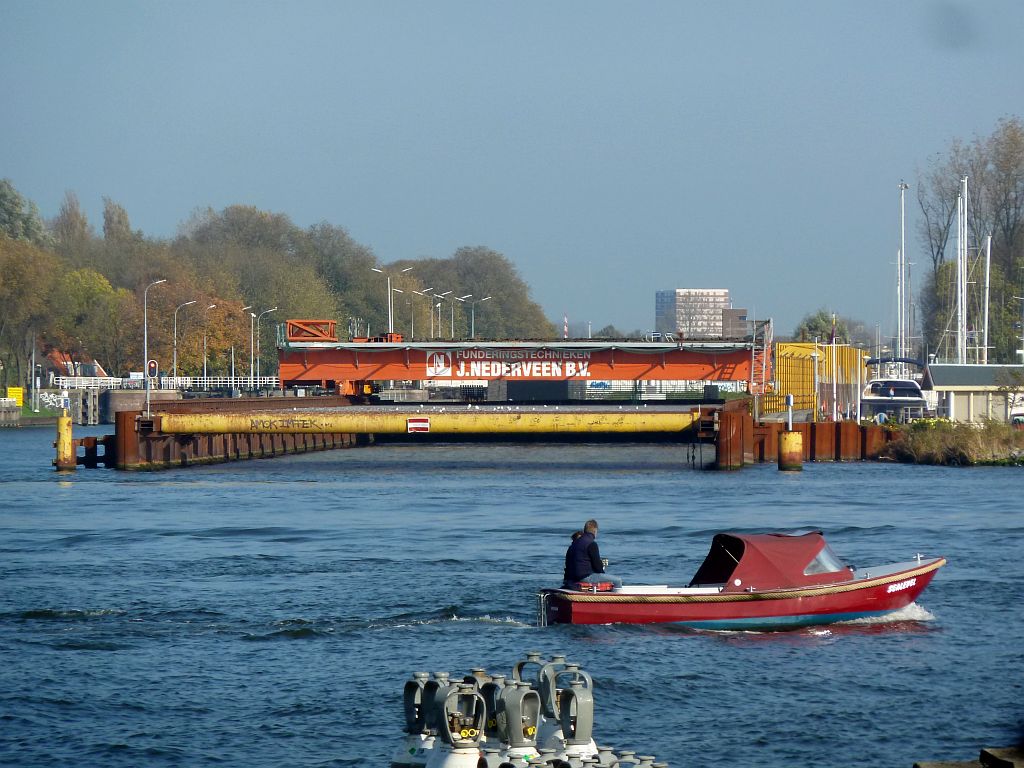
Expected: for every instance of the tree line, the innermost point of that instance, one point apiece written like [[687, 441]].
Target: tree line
[[65, 286], [994, 168]]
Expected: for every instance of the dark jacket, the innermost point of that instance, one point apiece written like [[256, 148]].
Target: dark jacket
[[582, 559]]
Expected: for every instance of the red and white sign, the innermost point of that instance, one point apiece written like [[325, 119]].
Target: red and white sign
[[417, 424]]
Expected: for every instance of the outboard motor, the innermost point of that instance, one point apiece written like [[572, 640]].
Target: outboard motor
[[460, 728], [576, 715], [518, 716], [411, 751]]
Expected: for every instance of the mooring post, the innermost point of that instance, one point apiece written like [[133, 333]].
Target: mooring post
[[66, 459], [791, 443]]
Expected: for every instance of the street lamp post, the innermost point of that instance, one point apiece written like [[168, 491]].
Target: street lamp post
[[472, 315], [391, 314], [252, 347], [187, 303], [145, 337], [438, 305], [394, 291], [454, 299], [206, 320], [1021, 350], [259, 346], [243, 309]]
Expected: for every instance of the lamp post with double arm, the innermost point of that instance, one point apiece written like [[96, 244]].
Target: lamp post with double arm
[[145, 337], [187, 303], [206, 321], [454, 299], [391, 312], [472, 315]]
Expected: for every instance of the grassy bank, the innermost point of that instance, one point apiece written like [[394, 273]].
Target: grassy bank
[[937, 441]]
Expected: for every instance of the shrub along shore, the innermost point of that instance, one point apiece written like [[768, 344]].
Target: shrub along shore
[[948, 443]]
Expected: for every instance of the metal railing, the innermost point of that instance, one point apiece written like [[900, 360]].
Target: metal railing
[[247, 383]]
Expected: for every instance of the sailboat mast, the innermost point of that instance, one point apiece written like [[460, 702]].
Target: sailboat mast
[[961, 274], [988, 266], [901, 288]]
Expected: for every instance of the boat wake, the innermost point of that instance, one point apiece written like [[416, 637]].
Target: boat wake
[[909, 617], [912, 612], [446, 618]]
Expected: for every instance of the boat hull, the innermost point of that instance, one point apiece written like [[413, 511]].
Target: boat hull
[[771, 609]]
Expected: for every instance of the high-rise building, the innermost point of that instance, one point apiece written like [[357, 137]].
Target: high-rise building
[[691, 313]]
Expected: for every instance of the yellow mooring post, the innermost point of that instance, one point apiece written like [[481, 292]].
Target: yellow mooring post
[[66, 458], [791, 450], [791, 444]]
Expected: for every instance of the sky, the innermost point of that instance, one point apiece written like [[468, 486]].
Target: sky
[[608, 149]]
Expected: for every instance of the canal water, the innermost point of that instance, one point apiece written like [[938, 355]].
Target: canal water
[[267, 613]]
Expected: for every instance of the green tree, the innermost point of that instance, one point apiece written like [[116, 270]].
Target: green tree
[[994, 166], [819, 326], [482, 272], [608, 332], [116, 226], [19, 218], [347, 267], [72, 233]]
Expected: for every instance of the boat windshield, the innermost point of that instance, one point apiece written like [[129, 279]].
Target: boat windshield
[[827, 561], [893, 388]]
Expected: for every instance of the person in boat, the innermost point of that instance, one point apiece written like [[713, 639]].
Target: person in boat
[[583, 562]]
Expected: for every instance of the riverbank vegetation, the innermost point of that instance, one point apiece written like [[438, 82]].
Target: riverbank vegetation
[[947, 443], [63, 285]]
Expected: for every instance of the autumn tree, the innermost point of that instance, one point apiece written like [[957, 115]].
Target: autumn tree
[[26, 276], [72, 232]]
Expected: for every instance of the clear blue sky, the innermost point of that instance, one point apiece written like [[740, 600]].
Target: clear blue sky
[[609, 150]]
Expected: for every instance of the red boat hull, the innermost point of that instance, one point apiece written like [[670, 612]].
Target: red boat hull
[[770, 609]]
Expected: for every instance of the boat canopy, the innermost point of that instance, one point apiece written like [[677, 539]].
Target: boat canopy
[[894, 388], [756, 562]]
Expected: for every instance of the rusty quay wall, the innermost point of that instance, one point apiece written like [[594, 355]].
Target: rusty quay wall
[[187, 433], [138, 448], [740, 441]]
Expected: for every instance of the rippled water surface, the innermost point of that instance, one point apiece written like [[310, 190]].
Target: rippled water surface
[[267, 613]]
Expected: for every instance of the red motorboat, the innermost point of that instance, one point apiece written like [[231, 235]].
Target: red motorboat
[[755, 582]]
